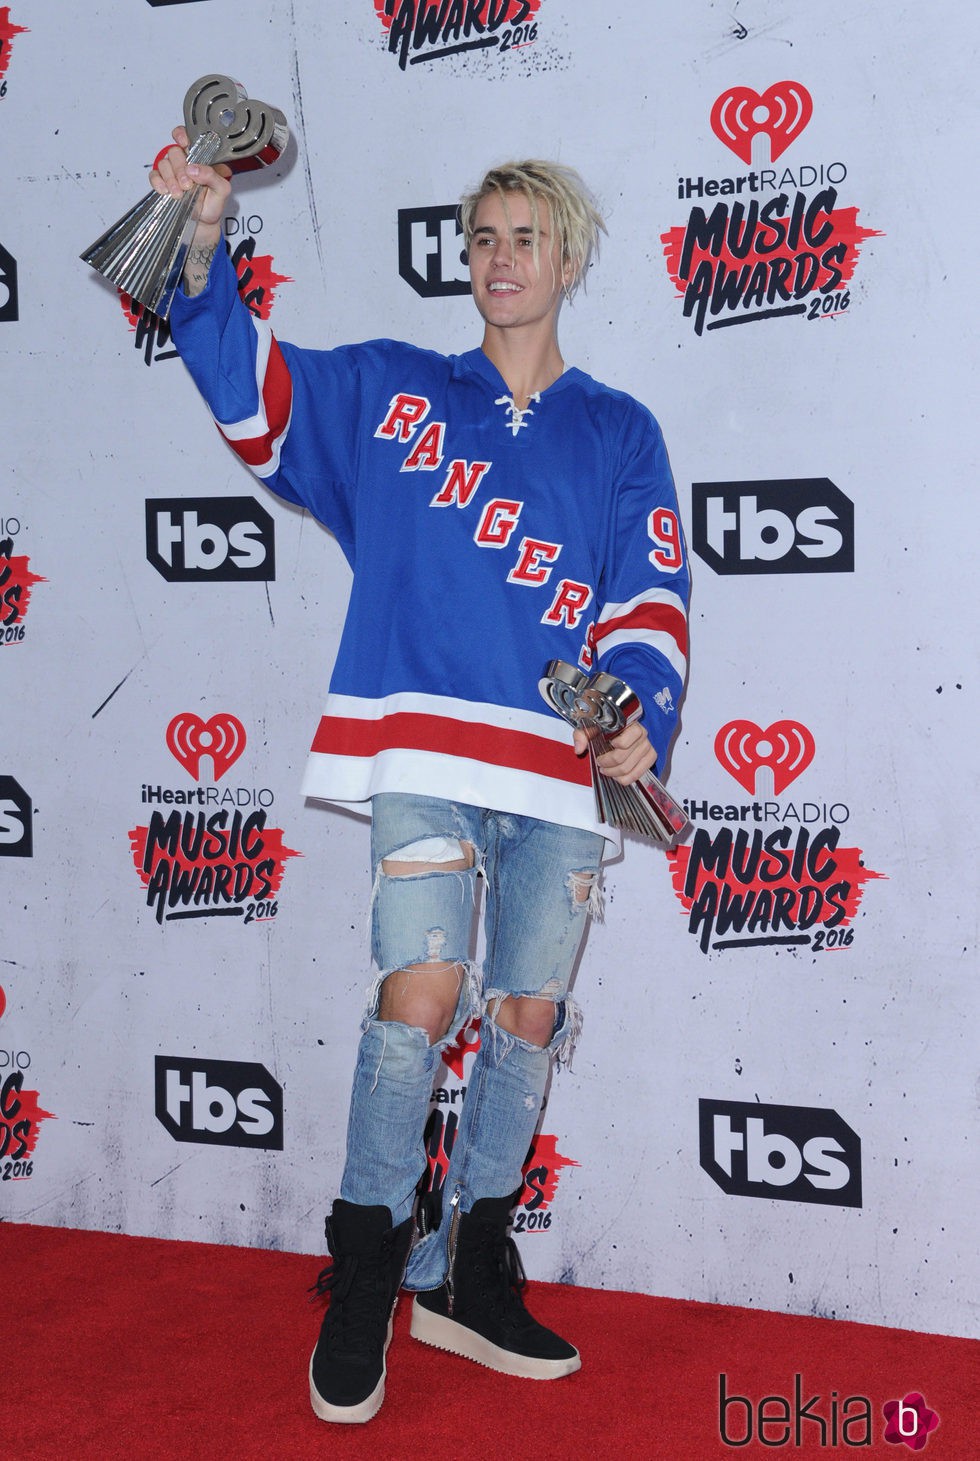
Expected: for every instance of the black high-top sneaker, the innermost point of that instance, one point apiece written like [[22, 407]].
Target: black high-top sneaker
[[479, 1311], [347, 1370]]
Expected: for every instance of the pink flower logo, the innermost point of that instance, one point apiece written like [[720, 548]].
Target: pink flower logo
[[910, 1421]]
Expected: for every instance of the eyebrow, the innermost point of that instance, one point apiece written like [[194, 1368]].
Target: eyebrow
[[522, 229]]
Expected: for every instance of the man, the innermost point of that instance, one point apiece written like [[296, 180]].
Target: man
[[498, 511]]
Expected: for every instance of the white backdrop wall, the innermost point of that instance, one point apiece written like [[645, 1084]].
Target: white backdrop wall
[[771, 1108]]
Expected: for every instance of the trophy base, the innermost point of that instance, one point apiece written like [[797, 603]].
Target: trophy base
[[144, 253]]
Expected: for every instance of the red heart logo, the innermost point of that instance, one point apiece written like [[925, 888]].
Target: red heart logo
[[786, 746], [222, 738], [782, 112]]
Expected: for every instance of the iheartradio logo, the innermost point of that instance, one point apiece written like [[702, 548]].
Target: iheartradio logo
[[189, 738], [782, 111], [786, 747]]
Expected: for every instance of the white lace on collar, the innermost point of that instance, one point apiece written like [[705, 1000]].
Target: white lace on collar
[[515, 413]]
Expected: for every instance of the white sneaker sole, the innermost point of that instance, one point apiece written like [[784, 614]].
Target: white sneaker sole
[[365, 1409], [447, 1334]]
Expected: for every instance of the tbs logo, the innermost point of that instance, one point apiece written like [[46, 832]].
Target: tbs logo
[[16, 820], [191, 539], [8, 286], [221, 1102], [804, 525], [794, 1153], [430, 251]]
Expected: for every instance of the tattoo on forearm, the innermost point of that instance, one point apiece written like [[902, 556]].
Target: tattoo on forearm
[[197, 266]]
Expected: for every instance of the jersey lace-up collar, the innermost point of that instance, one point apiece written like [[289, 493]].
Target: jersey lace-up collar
[[517, 413]]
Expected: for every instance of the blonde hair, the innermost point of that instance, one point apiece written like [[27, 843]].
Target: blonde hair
[[575, 219]]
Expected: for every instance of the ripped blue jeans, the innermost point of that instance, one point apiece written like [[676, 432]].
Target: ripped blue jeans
[[542, 882]]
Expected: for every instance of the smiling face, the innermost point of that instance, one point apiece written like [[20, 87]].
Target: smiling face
[[511, 288]]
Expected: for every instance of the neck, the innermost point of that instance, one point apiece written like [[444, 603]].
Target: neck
[[525, 368]]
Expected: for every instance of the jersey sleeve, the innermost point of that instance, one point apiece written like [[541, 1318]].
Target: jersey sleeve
[[641, 628], [289, 414]]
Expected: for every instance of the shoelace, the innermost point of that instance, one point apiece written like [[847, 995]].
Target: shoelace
[[502, 1283], [498, 1263], [358, 1317]]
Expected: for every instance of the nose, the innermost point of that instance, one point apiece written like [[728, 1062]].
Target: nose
[[503, 251]]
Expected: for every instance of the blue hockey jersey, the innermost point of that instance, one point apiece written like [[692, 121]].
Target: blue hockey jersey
[[484, 541]]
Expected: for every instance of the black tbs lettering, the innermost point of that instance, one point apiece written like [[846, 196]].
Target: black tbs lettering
[[8, 274]]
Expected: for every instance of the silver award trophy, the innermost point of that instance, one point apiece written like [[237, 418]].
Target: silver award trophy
[[600, 705], [144, 253]]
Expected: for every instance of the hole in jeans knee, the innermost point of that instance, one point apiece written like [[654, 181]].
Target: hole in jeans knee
[[532, 1018], [423, 995]]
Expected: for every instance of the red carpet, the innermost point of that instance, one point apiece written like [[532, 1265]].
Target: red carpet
[[139, 1348]]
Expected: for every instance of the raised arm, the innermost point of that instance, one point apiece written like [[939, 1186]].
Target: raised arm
[[291, 415], [176, 176]]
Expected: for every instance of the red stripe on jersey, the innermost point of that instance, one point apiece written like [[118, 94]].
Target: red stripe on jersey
[[277, 401], [663, 618], [410, 731]]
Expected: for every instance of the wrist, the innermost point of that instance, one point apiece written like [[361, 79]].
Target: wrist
[[200, 257]]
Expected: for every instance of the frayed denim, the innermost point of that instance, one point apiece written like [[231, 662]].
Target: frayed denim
[[542, 882]]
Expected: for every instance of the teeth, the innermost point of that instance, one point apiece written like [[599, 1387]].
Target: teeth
[[503, 288]]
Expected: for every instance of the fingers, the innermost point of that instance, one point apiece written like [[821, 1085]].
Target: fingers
[[631, 755], [175, 175], [172, 174], [170, 164]]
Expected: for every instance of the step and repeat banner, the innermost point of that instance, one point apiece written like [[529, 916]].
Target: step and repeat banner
[[773, 1100]]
